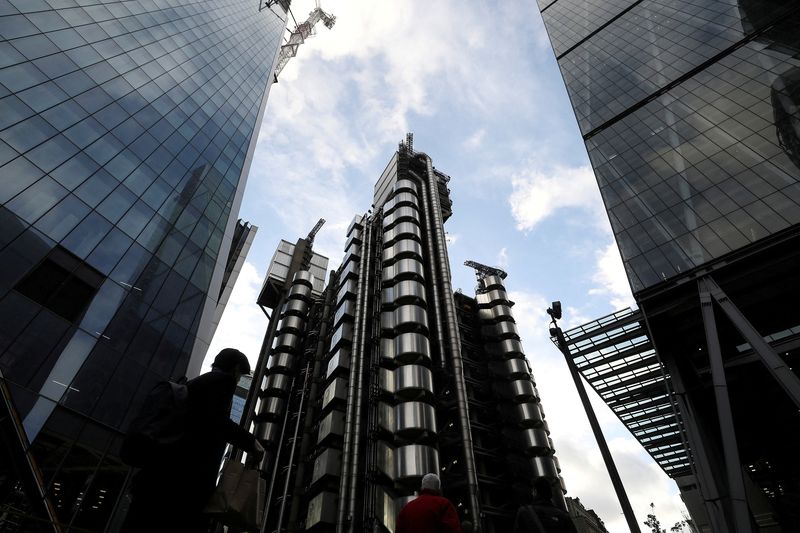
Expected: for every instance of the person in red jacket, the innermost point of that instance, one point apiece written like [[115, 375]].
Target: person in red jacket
[[429, 512]]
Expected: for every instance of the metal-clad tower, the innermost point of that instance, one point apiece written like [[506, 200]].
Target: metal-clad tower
[[386, 377]]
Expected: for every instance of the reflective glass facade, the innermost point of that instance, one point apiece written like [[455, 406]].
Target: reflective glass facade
[[126, 132], [689, 111]]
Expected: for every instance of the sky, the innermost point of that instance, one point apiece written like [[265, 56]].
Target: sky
[[478, 85]]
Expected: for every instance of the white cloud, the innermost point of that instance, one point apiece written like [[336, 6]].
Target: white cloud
[[537, 194], [243, 324], [502, 258], [475, 140], [452, 238], [612, 279]]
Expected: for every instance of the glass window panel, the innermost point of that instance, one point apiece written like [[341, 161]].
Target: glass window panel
[[82, 240], [62, 218], [34, 201], [52, 153], [110, 250], [16, 176], [28, 133]]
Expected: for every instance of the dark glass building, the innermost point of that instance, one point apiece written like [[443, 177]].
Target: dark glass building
[[388, 375], [126, 132], [689, 112]]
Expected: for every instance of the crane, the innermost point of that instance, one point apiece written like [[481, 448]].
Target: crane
[[299, 35], [481, 270], [314, 231]]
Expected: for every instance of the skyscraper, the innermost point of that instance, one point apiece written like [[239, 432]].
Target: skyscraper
[[689, 112], [389, 375], [126, 132]]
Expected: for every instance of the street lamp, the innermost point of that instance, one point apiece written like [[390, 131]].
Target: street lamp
[[555, 314]]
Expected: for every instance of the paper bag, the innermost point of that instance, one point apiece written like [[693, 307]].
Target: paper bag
[[238, 500]]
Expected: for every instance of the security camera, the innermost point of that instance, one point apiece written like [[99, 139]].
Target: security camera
[[555, 310]]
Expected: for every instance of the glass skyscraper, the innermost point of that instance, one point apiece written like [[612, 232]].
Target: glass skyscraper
[[126, 133], [689, 112]]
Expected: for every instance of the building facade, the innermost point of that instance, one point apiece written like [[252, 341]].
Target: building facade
[[689, 113], [126, 134], [389, 375]]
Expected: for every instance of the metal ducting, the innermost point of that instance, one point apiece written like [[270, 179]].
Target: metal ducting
[[343, 334], [400, 199], [303, 277], [300, 290], [492, 282], [346, 310], [496, 313], [407, 347], [403, 184], [386, 416], [347, 291], [519, 390], [495, 297], [405, 316], [386, 380], [386, 459], [348, 272], [405, 213], [506, 349], [402, 231], [414, 461], [267, 432], [515, 368], [413, 382], [506, 329], [414, 419], [277, 384]]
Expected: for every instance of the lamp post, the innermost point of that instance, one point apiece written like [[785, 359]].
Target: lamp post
[[555, 331]]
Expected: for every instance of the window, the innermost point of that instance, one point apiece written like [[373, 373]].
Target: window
[[62, 283]]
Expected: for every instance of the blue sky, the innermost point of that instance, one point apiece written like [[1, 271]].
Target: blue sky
[[478, 85]]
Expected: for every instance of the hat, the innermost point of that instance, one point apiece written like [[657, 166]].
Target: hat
[[431, 482], [229, 359]]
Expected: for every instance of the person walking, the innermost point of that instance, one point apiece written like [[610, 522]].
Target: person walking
[[169, 493], [430, 512], [540, 515]]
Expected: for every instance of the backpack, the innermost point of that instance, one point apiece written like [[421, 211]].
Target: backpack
[[160, 424]]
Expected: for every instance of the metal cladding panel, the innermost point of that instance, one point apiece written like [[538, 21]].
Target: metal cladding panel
[[403, 184], [506, 329], [413, 381], [496, 313], [286, 342], [348, 272], [529, 414], [404, 213], [321, 510], [343, 334], [510, 368], [414, 418], [404, 248], [411, 347], [386, 417], [386, 459], [405, 316], [483, 300], [332, 424], [415, 460], [339, 363], [404, 269], [506, 348], [347, 310], [277, 384], [535, 441], [336, 390], [271, 408], [385, 510], [295, 307], [292, 324], [303, 277], [519, 390], [267, 432], [300, 291], [544, 466], [404, 291], [497, 296], [328, 463], [400, 199], [402, 231], [348, 290], [386, 380], [357, 224], [492, 282], [281, 362]]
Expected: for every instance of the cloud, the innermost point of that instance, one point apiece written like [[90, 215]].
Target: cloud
[[537, 194], [243, 324], [475, 140], [612, 279], [502, 258]]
